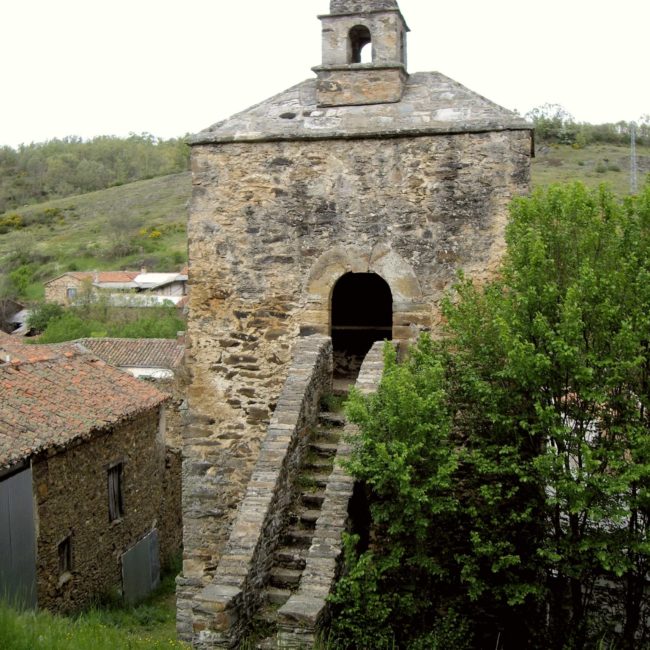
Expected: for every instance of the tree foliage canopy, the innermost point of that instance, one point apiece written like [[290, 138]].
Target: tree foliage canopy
[[62, 167], [508, 466], [554, 124]]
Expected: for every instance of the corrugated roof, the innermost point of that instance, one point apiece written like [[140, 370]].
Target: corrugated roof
[[52, 396], [137, 353]]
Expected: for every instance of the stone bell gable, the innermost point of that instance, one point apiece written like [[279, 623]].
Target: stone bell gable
[[343, 78], [343, 207]]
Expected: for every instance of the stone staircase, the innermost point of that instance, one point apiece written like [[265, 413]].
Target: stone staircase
[[289, 559]]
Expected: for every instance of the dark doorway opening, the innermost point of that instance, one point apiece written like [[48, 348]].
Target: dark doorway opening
[[362, 313]]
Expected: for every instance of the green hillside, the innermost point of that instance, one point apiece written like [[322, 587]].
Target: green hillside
[[124, 227]]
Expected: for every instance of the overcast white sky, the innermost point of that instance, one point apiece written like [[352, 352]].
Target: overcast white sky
[[169, 67]]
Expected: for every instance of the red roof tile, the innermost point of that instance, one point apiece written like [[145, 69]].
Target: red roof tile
[[101, 276], [137, 353], [54, 395]]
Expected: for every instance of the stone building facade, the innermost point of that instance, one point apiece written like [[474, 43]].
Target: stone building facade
[[83, 479], [343, 206]]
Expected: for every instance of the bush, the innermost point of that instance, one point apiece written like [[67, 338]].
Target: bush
[[99, 319], [41, 315], [68, 327]]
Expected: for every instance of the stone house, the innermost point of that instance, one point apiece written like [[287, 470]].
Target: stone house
[[83, 497], [68, 288], [343, 206]]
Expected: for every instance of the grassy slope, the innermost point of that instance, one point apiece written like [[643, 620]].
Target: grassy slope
[[563, 163], [82, 239]]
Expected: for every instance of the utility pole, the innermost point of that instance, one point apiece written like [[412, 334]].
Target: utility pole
[[634, 171]]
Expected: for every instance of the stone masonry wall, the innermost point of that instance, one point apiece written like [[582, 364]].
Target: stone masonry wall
[[222, 611], [56, 290], [71, 492], [171, 515], [273, 226]]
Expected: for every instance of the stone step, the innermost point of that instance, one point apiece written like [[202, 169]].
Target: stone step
[[282, 578], [327, 435], [298, 537], [312, 499], [304, 518], [309, 517], [324, 449], [290, 557], [276, 596], [328, 420], [315, 479], [319, 464]]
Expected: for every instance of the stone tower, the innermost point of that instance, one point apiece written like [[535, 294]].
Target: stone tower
[[343, 206]]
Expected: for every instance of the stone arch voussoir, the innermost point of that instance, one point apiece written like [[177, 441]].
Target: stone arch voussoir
[[410, 312]]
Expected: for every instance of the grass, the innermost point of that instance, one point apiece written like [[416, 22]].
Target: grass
[[87, 229], [593, 165], [333, 403], [150, 625]]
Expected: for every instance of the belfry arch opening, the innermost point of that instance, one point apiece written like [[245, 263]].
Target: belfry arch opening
[[362, 313], [360, 45]]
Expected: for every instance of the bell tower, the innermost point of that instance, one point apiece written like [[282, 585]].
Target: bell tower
[[351, 27]]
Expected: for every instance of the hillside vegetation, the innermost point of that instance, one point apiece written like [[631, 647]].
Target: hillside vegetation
[[592, 165], [41, 171], [130, 226]]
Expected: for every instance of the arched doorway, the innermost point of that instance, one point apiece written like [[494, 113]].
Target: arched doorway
[[362, 313]]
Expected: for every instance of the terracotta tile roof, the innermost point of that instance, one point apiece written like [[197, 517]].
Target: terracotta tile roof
[[137, 353], [101, 276], [54, 395], [14, 350]]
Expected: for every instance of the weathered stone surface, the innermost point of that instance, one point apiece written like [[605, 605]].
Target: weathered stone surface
[[432, 104], [360, 6], [85, 517]]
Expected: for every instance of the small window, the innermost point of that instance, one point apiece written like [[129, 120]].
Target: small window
[[115, 498], [360, 45], [65, 556], [71, 293]]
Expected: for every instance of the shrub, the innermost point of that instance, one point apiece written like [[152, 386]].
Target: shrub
[[41, 315]]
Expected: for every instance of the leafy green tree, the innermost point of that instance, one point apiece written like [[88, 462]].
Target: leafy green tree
[[553, 124], [508, 466]]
